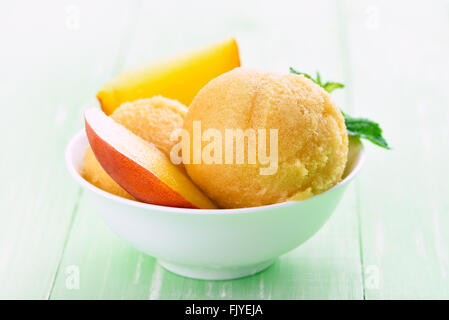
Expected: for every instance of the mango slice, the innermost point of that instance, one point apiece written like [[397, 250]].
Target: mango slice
[[179, 77]]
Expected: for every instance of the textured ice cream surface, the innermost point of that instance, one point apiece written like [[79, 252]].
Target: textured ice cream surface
[[153, 119], [312, 138]]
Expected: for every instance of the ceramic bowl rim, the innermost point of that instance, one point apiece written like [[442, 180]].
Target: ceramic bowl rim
[[152, 207]]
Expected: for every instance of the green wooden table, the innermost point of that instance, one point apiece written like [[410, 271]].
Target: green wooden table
[[387, 239]]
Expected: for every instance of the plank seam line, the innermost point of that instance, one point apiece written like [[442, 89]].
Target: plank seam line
[[125, 44], [347, 72], [359, 227], [126, 41], [342, 34], [66, 242]]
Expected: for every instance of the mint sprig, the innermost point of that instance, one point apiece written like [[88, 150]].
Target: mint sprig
[[365, 129], [328, 85], [356, 127]]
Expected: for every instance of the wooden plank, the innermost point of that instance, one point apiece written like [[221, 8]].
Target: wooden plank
[[398, 52], [271, 37], [108, 268], [54, 55]]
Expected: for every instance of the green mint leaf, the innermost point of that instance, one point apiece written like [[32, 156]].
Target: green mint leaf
[[365, 129], [356, 127], [304, 74], [328, 86], [318, 79], [331, 86]]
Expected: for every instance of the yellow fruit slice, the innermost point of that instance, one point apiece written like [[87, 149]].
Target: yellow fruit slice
[[93, 172], [179, 77]]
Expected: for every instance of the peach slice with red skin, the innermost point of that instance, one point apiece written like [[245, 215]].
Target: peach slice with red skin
[[139, 167]]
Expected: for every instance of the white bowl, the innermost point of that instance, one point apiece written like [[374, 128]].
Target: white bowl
[[213, 244]]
